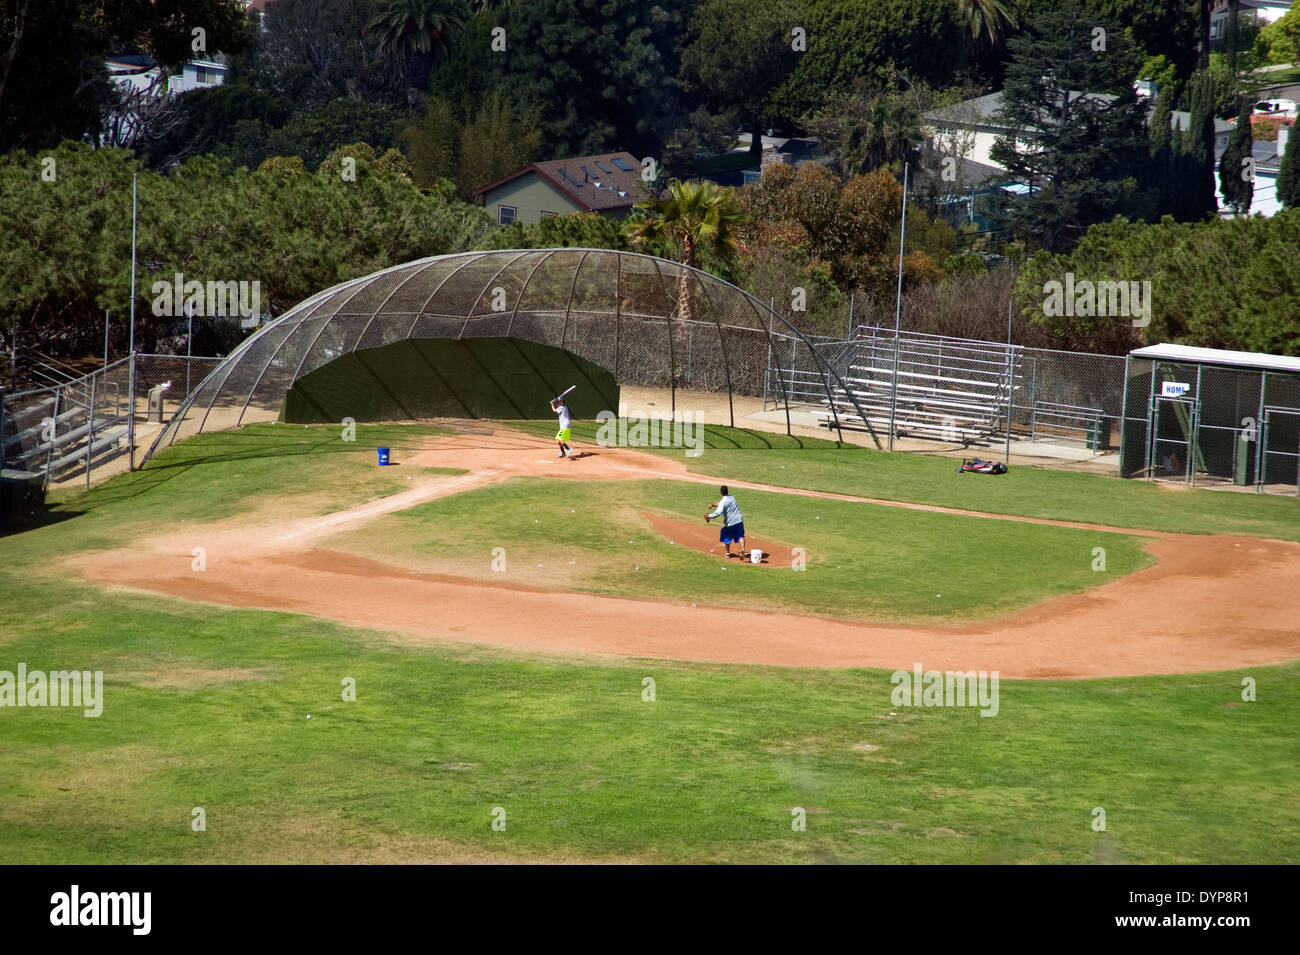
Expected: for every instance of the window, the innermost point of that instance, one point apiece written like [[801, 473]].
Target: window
[[620, 163], [206, 75], [505, 214], [547, 215]]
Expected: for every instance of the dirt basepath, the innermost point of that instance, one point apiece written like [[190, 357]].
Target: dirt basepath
[[1210, 603]]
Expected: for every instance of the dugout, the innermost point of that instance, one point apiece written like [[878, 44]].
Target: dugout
[[497, 334], [1212, 416]]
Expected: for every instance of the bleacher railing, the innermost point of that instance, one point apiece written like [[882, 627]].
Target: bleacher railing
[[962, 390], [51, 432]]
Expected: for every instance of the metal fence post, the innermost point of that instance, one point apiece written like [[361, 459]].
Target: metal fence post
[[1259, 436], [90, 430], [54, 433], [130, 413]]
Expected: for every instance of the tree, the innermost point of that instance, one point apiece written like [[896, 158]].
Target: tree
[[499, 139], [1236, 168], [208, 120], [867, 130], [696, 214], [420, 32], [315, 132], [849, 229], [988, 21], [1288, 175], [583, 230], [872, 40], [1279, 41], [1197, 144], [603, 73], [65, 245], [740, 50], [53, 84], [1082, 142], [314, 51]]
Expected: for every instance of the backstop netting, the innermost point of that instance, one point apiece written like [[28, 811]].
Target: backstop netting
[[646, 321]]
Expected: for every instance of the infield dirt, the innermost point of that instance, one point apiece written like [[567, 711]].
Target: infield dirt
[[1209, 603]]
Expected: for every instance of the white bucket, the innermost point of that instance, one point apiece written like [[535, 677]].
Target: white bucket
[[756, 556]]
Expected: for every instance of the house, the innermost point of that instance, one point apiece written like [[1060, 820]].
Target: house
[[970, 129], [609, 184], [198, 75], [1268, 160], [1257, 12], [967, 132]]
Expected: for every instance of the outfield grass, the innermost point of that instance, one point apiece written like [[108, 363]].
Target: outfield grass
[[741, 455], [206, 707], [709, 771], [864, 561]]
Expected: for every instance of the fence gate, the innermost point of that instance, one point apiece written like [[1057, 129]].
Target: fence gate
[[1279, 449], [1173, 438]]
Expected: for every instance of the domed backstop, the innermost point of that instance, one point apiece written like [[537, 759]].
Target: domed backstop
[[496, 334]]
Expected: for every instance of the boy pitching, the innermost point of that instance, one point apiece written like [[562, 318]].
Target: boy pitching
[[565, 434], [733, 524]]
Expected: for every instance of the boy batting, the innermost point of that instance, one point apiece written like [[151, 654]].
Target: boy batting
[[565, 433], [733, 524]]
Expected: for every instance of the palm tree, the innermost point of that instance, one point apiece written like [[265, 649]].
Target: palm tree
[[889, 136], [421, 32], [988, 21], [697, 214]]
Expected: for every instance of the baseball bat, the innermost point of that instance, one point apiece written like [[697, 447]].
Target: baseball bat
[[563, 393]]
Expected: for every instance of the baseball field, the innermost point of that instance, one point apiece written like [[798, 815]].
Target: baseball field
[[485, 653]]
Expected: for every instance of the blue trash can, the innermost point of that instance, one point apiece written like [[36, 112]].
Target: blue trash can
[[383, 456]]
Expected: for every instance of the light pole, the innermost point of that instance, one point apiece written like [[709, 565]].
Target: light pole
[[130, 388], [898, 313]]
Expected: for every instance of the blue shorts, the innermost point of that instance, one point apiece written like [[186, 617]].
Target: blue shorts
[[732, 532]]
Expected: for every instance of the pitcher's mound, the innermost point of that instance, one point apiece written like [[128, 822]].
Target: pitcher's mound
[[704, 538]]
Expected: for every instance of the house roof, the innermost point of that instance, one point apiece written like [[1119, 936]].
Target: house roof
[[1218, 356], [593, 183], [123, 64]]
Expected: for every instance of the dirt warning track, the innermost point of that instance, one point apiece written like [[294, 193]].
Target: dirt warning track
[[1210, 603]]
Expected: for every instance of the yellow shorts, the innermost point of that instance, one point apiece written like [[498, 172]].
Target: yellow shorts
[[564, 434]]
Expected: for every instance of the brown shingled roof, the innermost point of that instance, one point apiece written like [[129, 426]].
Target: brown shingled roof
[[576, 178]]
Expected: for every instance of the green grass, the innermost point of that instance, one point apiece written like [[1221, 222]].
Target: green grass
[[864, 561], [737, 454], [709, 771], [206, 707]]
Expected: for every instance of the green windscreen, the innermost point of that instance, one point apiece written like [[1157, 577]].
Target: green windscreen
[[449, 378]]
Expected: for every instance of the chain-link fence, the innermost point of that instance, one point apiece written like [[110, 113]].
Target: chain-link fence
[[654, 324], [1205, 424], [53, 433], [954, 389]]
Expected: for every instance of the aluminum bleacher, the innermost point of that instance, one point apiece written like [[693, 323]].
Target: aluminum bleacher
[[947, 389]]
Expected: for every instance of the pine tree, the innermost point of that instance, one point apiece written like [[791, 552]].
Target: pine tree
[[1236, 173], [1288, 177], [1197, 144], [1079, 152]]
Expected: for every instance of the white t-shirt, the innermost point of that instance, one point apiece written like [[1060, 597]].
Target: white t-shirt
[[729, 510], [566, 420]]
